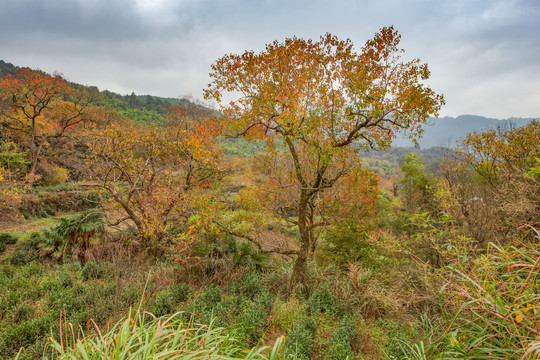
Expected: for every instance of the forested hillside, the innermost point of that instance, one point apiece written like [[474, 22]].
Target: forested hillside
[[282, 225]]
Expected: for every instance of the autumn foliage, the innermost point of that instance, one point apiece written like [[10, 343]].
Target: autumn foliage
[[489, 175], [318, 98], [152, 175], [40, 107]]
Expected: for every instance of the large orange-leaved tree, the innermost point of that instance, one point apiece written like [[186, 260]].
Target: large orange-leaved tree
[[322, 100]]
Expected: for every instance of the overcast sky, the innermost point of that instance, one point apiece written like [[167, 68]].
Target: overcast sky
[[484, 55]]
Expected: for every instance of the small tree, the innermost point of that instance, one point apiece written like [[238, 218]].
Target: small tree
[[489, 177], [151, 176], [41, 107], [318, 98], [78, 230], [417, 187]]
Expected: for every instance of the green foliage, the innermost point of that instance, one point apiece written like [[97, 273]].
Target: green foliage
[[25, 334], [347, 242], [6, 68], [169, 301], [6, 239], [27, 250], [300, 340], [416, 184], [251, 321], [94, 271], [322, 301], [11, 157], [164, 304], [205, 304], [387, 163], [490, 306], [400, 335], [250, 286], [341, 341], [88, 223], [180, 292], [241, 147], [534, 171], [78, 230], [285, 314], [145, 338]]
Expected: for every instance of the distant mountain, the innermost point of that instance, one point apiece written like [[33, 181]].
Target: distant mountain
[[448, 130]]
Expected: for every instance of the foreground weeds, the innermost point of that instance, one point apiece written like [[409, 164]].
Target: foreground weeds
[[490, 307], [143, 336]]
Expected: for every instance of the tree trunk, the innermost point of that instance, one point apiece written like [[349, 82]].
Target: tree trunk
[[300, 266], [82, 252], [34, 153]]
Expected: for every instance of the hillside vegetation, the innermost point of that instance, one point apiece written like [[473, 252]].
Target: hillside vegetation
[[280, 226]]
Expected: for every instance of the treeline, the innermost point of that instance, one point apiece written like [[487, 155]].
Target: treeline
[[141, 109]]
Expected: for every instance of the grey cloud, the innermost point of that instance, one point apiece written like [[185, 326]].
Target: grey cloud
[[482, 53]]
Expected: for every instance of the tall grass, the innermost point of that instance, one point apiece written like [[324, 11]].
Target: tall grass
[[145, 337], [492, 307]]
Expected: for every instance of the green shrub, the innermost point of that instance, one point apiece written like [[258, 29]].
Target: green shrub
[[22, 312], [301, 339], [250, 286], [205, 304], [93, 270], [169, 301], [42, 213], [163, 304], [285, 314], [398, 333], [7, 238], [341, 341], [2, 248], [348, 242], [180, 292], [24, 334], [251, 321], [212, 296], [27, 250], [321, 301]]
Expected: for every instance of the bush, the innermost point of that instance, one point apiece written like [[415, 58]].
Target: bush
[[27, 250], [285, 314], [54, 175], [168, 302], [22, 312], [301, 339], [250, 286], [180, 292], [24, 334], [163, 304], [93, 270], [205, 304], [322, 301], [341, 341], [251, 321], [7, 238]]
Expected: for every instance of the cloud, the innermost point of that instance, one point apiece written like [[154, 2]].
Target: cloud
[[482, 53]]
